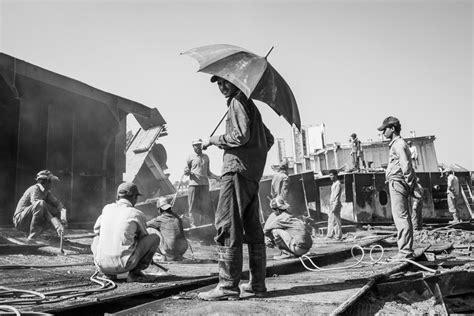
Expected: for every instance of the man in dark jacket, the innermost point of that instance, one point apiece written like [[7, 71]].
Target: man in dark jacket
[[245, 142], [169, 227], [38, 208]]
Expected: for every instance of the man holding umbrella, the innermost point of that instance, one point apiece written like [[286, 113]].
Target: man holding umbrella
[[242, 76], [245, 142]]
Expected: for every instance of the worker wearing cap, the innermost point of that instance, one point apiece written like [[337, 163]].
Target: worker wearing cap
[[290, 234], [246, 142], [335, 206], [199, 198], [122, 243], [356, 152], [401, 180], [280, 182], [38, 208], [169, 227], [452, 194]]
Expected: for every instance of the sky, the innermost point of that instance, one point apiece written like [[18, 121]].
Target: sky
[[349, 63]]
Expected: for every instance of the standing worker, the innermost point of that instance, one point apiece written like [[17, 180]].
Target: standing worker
[[245, 143], [199, 198], [401, 180], [280, 181], [38, 208], [356, 152], [452, 195], [413, 154], [122, 243], [335, 206]]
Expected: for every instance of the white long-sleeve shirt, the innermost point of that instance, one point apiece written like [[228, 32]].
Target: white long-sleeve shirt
[[119, 227]]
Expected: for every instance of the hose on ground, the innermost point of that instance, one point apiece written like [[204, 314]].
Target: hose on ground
[[10, 308], [53, 296], [360, 260]]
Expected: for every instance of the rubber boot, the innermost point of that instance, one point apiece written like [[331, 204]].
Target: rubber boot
[[230, 270], [257, 267]]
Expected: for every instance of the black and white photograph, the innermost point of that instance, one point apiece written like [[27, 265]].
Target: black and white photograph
[[236, 157]]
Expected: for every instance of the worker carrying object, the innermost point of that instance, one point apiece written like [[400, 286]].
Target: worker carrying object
[[38, 209]]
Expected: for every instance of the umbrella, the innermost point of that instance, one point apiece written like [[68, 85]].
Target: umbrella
[[252, 74]]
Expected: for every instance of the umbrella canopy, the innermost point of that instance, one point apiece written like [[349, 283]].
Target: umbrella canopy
[[252, 74]]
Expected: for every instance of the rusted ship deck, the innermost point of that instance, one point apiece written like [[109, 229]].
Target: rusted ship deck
[[291, 286]]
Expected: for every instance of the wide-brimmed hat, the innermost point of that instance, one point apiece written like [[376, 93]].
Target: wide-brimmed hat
[[163, 203], [279, 203], [127, 189], [46, 174], [388, 121]]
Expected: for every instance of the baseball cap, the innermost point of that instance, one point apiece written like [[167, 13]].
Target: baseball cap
[[127, 189], [46, 174], [388, 121], [163, 203], [197, 141], [214, 78]]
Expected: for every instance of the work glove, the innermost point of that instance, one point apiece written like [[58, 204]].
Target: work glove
[[64, 217], [269, 243], [57, 225]]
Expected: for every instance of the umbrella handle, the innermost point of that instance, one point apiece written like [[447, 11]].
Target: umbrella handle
[[220, 122]]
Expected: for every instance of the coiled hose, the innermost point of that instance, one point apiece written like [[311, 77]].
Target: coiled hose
[[360, 260]]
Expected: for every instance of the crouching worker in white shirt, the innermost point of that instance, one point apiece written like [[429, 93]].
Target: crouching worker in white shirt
[[122, 243]]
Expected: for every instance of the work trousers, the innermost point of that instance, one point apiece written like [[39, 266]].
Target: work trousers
[[237, 215], [139, 260], [285, 241], [200, 206], [174, 251], [401, 216], [334, 222], [416, 214], [35, 219], [452, 201]]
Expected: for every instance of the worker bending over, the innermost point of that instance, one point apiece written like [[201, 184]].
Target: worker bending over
[[169, 228], [290, 234]]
